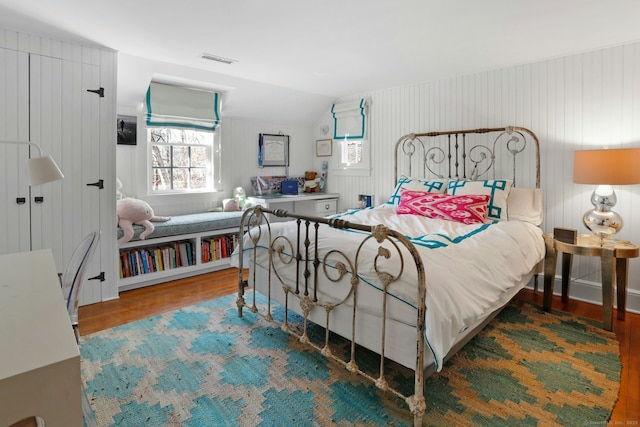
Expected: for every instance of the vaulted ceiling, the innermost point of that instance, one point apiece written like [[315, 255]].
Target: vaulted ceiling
[[299, 56]]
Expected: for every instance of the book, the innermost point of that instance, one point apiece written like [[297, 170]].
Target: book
[[190, 258], [159, 260], [177, 261], [133, 262], [206, 248], [184, 258], [143, 260]]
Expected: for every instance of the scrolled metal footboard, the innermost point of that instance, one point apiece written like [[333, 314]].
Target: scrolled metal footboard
[[315, 269]]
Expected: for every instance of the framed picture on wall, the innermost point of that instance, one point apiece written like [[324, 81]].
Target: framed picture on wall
[[323, 148], [273, 150], [127, 129]]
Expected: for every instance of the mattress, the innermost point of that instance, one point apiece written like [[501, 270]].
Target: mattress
[[471, 270]]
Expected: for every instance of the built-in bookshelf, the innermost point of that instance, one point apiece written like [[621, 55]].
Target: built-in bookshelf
[[151, 261], [219, 247]]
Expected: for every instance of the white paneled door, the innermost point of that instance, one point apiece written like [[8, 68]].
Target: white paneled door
[[46, 101], [65, 122]]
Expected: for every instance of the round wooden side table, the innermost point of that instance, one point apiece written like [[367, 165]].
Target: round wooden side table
[[614, 256]]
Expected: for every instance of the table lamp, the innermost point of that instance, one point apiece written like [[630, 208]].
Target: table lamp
[[41, 169], [605, 168]]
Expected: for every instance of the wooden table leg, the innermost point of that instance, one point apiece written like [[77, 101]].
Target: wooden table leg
[[550, 260], [622, 277], [607, 262], [567, 261]]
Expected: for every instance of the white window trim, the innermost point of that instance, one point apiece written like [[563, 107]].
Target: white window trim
[[216, 178]]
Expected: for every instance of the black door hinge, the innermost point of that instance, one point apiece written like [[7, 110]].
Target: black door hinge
[[99, 92], [99, 183], [98, 277]]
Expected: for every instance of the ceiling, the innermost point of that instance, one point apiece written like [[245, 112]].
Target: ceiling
[[294, 58]]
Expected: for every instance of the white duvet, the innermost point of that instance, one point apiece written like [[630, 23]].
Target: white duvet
[[468, 268]]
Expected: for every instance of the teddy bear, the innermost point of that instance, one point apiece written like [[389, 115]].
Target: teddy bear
[[134, 211], [312, 182]]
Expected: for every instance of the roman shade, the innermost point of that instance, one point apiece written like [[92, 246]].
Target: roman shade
[[179, 106], [349, 119]]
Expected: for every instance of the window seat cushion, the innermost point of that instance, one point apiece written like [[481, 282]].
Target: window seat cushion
[[189, 223]]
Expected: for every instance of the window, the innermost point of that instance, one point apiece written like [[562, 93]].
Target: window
[[184, 148], [349, 131], [351, 152], [353, 158], [183, 160]]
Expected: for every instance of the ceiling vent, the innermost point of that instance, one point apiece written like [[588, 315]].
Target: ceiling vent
[[216, 58]]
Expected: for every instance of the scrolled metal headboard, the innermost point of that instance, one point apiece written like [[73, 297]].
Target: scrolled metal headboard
[[453, 156]]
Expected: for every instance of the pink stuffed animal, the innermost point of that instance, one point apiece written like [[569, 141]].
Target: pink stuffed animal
[[134, 211]]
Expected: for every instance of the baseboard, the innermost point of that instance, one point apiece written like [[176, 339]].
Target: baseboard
[[590, 292]]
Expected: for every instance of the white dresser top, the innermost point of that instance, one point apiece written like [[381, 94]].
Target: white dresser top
[[300, 197]]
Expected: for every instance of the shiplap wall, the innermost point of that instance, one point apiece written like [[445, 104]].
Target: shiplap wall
[[588, 100]]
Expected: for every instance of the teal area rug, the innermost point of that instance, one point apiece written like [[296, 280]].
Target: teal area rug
[[204, 366]]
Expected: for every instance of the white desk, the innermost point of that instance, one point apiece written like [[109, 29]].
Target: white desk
[[39, 357], [310, 204]]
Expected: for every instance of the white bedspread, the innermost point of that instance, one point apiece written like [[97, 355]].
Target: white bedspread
[[468, 268]]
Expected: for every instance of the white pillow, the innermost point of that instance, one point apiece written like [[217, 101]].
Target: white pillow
[[417, 184], [498, 189], [526, 204]]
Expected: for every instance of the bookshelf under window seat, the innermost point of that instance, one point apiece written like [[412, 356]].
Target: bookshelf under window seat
[[184, 246]]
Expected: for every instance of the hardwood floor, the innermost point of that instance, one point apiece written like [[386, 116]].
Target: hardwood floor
[[151, 300], [145, 302]]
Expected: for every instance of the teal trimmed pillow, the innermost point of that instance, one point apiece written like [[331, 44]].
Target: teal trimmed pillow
[[498, 189], [438, 186]]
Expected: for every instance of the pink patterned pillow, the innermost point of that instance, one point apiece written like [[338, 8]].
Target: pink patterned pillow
[[468, 209]]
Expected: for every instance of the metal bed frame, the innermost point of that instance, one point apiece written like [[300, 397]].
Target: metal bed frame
[[453, 158]]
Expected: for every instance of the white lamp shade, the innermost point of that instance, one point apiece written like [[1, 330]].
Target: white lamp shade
[[42, 170]]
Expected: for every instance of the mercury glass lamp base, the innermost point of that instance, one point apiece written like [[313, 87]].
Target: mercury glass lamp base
[[604, 224]]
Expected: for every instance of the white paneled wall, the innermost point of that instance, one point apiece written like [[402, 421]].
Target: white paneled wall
[[239, 162], [589, 100]]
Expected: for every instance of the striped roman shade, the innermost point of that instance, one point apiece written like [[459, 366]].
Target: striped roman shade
[[179, 106], [349, 119]]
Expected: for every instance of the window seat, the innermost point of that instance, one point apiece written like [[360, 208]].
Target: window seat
[[189, 224]]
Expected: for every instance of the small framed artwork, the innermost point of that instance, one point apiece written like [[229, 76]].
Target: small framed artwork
[[323, 147], [273, 150], [127, 129], [365, 201]]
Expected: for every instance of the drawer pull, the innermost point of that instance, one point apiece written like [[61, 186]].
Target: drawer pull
[[326, 207]]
